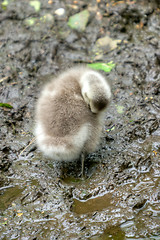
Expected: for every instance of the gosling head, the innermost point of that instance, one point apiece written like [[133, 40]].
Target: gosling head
[[95, 91]]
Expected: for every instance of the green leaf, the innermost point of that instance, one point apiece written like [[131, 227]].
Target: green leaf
[[120, 109], [4, 223], [79, 20], [30, 21], [106, 67], [5, 3], [5, 105], [36, 4]]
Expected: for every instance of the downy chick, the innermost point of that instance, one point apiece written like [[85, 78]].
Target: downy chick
[[70, 114]]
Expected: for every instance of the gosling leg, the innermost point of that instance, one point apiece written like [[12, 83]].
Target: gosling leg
[[82, 162]]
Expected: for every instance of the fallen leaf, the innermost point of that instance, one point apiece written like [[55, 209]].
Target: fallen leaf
[[108, 42], [7, 105], [5, 3], [19, 214], [155, 153], [120, 109], [79, 20], [106, 67], [36, 4], [30, 21], [140, 25], [104, 45], [4, 223]]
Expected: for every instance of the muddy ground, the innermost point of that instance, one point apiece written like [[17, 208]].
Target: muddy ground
[[119, 197]]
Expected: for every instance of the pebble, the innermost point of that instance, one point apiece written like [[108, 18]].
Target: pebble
[[60, 11]]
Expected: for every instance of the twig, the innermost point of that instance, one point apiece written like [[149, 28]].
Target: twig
[[4, 78], [33, 140]]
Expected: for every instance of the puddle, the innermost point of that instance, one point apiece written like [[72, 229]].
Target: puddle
[[93, 204], [8, 195], [111, 233]]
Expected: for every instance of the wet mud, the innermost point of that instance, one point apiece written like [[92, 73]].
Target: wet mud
[[119, 196]]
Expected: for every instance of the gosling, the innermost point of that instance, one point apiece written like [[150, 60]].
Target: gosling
[[70, 114]]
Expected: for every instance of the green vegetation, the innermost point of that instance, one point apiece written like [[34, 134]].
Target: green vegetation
[[5, 105], [79, 20], [106, 67]]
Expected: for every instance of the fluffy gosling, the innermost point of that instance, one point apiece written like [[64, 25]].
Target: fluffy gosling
[[70, 114]]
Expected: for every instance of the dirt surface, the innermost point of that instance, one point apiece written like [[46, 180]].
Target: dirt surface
[[119, 197]]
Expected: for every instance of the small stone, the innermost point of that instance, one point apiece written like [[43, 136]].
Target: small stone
[[60, 11]]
